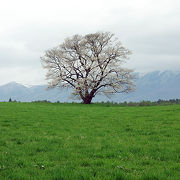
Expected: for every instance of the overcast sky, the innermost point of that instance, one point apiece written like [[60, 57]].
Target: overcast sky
[[150, 28]]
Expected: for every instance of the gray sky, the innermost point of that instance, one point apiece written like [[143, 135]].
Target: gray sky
[[150, 28]]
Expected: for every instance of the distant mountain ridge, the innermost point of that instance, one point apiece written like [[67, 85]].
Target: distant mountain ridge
[[151, 86]]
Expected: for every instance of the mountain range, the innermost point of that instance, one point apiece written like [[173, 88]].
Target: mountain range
[[150, 86]]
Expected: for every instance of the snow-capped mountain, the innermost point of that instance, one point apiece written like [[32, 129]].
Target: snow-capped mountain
[[151, 86]]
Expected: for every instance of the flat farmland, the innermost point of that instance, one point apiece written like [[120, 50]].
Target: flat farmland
[[53, 141]]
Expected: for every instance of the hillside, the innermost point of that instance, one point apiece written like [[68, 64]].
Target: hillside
[[151, 86]]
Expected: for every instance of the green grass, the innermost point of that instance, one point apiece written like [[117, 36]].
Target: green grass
[[44, 141]]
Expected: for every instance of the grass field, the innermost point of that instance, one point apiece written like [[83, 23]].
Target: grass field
[[46, 141]]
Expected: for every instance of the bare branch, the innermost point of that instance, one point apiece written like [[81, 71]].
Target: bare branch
[[89, 64]]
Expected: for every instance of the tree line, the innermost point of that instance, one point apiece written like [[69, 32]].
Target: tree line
[[125, 103], [142, 103]]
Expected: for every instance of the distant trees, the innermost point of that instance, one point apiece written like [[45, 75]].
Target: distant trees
[[131, 103], [10, 100], [90, 64], [142, 103]]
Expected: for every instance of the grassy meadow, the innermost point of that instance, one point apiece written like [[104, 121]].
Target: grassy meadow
[[52, 141]]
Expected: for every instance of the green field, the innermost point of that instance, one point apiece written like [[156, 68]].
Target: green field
[[47, 141]]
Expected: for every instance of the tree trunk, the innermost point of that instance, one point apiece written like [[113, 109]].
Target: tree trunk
[[87, 99]]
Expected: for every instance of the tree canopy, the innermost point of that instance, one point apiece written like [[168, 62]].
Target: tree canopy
[[90, 65]]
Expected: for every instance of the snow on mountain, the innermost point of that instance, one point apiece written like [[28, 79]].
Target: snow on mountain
[[151, 86]]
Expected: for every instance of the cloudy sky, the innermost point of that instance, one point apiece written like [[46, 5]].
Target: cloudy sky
[[150, 28]]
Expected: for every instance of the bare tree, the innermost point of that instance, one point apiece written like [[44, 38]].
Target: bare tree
[[89, 64]]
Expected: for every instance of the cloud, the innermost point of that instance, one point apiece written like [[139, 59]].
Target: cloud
[[24, 75], [28, 28]]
